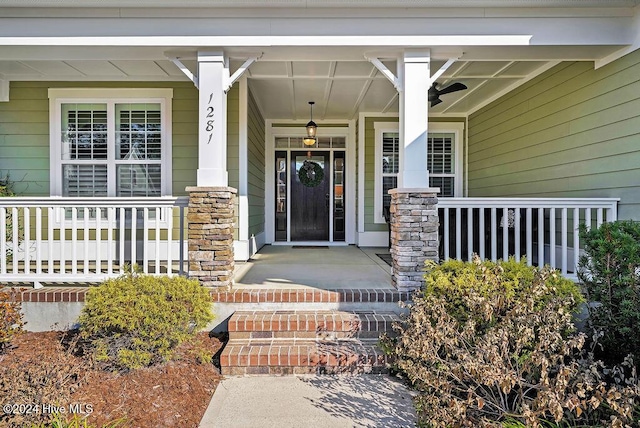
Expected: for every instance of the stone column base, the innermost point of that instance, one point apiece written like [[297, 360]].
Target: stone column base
[[210, 235], [414, 235]]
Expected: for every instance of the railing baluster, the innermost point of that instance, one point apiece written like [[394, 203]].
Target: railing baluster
[[481, 233], [516, 232], [576, 238], [157, 244], [529, 238], [494, 237], [169, 240], [446, 234], [540, 237], [181, 249], [3, 240], [38, 240], [599, 215], [111, 220], [587, 218], [63, 239], [458, 233], [505, 233], [15, 223], [134, 237], [145, 240], [552, 237], [50, 238], [74, 240], [26, 239], [122, 224], [564, 241], [85, 236], [98, 269], [469, 233]]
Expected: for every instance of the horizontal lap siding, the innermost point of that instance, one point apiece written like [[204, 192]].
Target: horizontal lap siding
[[571, 132], [233, 144], [256, 166]]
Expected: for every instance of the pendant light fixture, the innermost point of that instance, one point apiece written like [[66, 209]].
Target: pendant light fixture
[[310, 139]]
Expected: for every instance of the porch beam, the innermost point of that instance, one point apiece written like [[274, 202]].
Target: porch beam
[[4, 90], [442, 69], [414, 75], [213, 74]]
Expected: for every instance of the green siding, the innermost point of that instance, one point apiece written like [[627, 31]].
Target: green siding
[[571, 132], [233, 145], [256, 166]]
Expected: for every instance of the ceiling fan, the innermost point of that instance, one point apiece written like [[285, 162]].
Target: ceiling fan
[[434, 92]]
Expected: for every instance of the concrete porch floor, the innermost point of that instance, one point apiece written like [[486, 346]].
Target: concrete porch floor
[[276, 266]]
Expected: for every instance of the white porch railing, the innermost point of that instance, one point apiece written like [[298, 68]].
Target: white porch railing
[[544, 230], [58, 239]]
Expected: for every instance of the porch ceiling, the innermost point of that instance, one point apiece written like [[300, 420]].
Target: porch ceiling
[[340, 80]]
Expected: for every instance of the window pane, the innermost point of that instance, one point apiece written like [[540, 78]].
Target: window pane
[[84, 131], [388, 183], [139, 130], [440, 153], [390, 158], [446, 185], [84, 180], [138, 180]]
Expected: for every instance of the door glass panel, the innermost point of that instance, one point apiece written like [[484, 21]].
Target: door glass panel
[[281, 196], [338, 197]]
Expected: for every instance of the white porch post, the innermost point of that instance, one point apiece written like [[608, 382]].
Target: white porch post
[[414, 76], [213, 74], [414, 206]]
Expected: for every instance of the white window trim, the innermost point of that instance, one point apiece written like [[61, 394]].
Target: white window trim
[[456, 128], [60, 96]]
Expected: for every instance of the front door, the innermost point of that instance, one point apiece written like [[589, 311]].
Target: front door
[[310, 191]]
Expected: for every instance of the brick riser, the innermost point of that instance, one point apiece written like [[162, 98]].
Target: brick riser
[[305, 342]]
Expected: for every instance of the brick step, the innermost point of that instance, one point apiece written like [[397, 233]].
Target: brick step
[[286, 356], [310, 324], [309, 295]]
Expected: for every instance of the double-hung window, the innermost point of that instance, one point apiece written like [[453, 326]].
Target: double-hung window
[[110, 142], [443, 161]]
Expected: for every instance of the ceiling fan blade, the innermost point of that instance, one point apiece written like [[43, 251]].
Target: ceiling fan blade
[[454, 87], [435, 101]]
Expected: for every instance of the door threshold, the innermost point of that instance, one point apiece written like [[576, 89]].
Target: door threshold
[[311, 243]]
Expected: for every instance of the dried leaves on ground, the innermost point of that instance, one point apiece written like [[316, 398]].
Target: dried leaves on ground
[[41, 369]]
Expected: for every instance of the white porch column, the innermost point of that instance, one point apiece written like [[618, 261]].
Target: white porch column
[[213, 74], [414, 76]]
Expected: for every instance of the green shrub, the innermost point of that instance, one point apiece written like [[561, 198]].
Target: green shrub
[[491, 344], [138, 320], [6, 190], [610, 275], [11, 321]]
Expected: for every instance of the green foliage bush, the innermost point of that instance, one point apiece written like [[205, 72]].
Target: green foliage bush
[[491, 344], [11, 321], [138, 320], [610, 275], [6, 190]]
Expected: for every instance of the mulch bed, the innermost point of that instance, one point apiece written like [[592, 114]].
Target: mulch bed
[[169, 395]]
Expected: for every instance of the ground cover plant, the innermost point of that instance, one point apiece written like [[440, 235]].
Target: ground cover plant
[[493, 345], [609, 273]]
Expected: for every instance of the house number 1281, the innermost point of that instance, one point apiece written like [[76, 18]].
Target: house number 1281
[[210, 119]]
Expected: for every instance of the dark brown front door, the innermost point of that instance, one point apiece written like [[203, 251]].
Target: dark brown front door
[[310, 178]]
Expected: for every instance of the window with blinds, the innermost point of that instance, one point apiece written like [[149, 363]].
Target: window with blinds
[[123, 158]]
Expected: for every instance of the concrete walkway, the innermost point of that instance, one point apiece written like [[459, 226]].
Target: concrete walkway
[[316, 267], [306, 401]]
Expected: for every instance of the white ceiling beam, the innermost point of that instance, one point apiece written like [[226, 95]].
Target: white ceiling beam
[[292, 89], [390, 104], [442, 69], [4, 89], [513, 86], [363, 93], [328, 87]]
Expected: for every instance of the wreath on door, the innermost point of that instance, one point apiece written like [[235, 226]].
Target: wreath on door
[[310, 174]]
